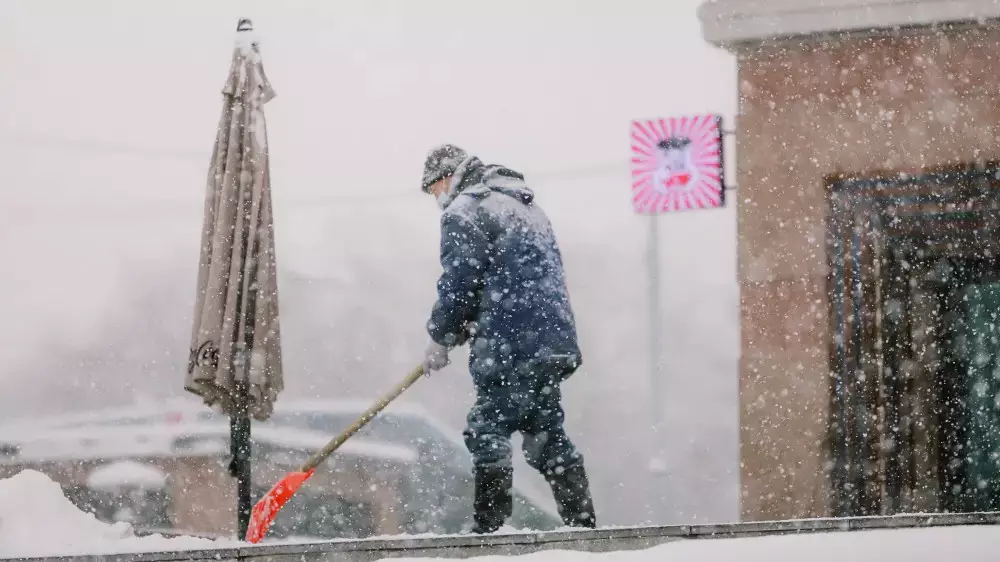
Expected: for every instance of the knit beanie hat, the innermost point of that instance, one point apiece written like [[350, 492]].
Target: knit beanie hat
[[441, 162]]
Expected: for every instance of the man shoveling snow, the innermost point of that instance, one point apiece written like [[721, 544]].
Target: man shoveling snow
[[503, 291], [36, 519]]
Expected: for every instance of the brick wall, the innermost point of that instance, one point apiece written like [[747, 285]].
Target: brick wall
[[857, 106]]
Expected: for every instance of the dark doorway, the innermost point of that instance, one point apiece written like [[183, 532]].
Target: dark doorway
[[915, 325]]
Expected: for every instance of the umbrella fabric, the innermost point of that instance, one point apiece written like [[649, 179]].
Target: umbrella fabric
[[236, 310]]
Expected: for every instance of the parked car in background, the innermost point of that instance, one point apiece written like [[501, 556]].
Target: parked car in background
[[175, 476], [429, 468]]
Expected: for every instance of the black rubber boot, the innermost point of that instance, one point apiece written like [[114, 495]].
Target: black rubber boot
[[493, 502], [571, 490]]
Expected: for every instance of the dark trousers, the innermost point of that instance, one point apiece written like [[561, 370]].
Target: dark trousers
[[528, 402]]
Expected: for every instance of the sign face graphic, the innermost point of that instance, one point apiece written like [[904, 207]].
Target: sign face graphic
[[677, 164]]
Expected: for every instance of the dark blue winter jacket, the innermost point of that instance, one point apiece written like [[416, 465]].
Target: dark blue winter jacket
[[503, 289]]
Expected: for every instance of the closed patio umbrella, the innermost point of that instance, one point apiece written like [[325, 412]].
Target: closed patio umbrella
[[235, 355]]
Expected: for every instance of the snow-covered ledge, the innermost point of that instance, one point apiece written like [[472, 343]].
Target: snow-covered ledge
[[730, 22]]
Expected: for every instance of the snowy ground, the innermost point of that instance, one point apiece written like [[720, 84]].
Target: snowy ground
[[37, 520], [968, 544]]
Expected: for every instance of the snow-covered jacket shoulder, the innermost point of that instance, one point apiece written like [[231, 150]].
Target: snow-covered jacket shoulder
[[503, 287]]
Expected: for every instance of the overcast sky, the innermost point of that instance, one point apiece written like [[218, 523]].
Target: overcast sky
[[108, 112]]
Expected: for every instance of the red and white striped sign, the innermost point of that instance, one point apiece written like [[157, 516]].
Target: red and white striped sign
[[677, 164]]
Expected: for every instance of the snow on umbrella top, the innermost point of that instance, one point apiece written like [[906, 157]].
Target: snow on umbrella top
[[236, 334]]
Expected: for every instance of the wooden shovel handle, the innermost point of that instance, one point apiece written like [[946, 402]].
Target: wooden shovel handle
[[370, 413]]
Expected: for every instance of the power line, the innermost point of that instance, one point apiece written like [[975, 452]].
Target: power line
[[104, 147], [607, 169], [203, 159]]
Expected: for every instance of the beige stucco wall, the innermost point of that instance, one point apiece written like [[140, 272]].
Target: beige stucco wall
[[856, 106]]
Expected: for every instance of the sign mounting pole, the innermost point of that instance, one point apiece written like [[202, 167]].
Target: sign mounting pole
[[657, 461], [676, 166]]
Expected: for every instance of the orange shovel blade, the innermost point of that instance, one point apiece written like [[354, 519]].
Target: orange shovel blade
[[267, 508]]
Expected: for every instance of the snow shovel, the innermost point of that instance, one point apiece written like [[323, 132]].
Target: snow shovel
[[267, 508]]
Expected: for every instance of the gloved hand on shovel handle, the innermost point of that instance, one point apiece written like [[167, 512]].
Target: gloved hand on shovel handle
[[435, 358]]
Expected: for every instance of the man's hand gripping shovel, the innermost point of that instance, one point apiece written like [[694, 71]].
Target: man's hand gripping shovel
[[267, 508]]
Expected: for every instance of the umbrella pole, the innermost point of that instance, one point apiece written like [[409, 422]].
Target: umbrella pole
[[239, 422], [239, 439]]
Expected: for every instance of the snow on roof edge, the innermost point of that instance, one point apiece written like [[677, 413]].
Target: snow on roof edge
[[728, 22]]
